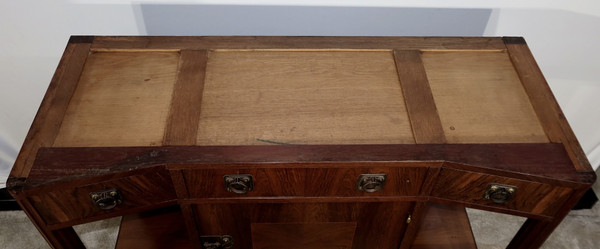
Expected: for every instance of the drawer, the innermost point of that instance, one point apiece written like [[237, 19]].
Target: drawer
[[470, 187], [307, 182], [75, 203]]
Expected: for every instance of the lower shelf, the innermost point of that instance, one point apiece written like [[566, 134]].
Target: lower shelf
[[161, 228], [443, 227]]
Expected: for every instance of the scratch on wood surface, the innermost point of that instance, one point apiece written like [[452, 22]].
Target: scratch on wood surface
[[271, 142]]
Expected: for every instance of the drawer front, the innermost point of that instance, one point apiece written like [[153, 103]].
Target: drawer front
[[308, 182], [470, 187], [135, 191]]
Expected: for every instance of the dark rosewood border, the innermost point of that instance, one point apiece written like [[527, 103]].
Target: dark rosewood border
[[551, 116], [49, 117], [541, 162], [296, 42]]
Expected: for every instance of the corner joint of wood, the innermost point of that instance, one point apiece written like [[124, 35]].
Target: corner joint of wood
[[81, 39], [13, 184], [588, 177], [513, 40]]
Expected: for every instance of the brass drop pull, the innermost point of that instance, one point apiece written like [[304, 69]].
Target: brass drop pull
[[239, 184], [216, 242], [371, 182], [500, 193], [107, 199]]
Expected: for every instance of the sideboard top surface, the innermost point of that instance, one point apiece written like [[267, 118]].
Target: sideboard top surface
[[118, 93]]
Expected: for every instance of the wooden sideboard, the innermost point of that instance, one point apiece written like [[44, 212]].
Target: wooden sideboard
[[298, 142]]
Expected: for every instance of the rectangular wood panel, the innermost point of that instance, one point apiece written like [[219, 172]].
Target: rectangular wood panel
[[401, 181], [122, 99], [532, 197], [182, 125], [444, 227], [156, 229], [378, 225], [302, 98], [480, 98], [320, 235], [422, 112], [68, 204]]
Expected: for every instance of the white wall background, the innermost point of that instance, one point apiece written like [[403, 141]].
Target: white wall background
[[563, 35]]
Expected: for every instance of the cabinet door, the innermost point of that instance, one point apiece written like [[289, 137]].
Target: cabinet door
[[317, 225]]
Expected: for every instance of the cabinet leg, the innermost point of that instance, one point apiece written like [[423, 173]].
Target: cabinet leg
[[64, 238], [534, 232]]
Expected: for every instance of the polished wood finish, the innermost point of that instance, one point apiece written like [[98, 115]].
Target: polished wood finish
[[63, 205], [424, 117], [307, 182], [530, 160], [530, 197], [290, 42], [372, 219], [324, 235], [164, 118], [156, 229], [182, 124], [444, 227]]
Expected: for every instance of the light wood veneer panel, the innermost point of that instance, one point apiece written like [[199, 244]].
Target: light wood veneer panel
[[122, 99], [480, 98], [300, 97]]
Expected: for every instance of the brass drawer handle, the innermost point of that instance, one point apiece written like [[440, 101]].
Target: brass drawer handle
[[107, 199], [500, 193], [216, 242], [239, 184], [371, 182]]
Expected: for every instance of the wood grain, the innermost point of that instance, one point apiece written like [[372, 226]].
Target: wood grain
[[533, 233], [65, 205], [156, 229], [480, 99], [373, 226], [182, 124], [52, 110], [64, 238], [186, 209], [284, 182], [524, 161], [322, 235], [444, 227], [291, 42], [257, 98], [122, 100], [423, 114], [548, 111], [412, 226], [533, 197]]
